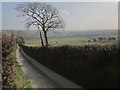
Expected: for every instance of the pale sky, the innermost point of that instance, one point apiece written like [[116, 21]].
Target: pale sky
[[60, 0], [76, 15], [0, 16]]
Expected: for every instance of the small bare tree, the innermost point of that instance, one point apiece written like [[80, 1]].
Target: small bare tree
[[30, 23], [43, 15]]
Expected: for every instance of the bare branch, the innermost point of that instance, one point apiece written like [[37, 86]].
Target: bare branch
[[41, 14]]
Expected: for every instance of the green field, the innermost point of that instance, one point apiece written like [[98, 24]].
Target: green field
[[58, 41], [78, 40]]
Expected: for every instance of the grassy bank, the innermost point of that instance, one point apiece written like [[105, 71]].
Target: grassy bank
[[21, 80], [90, 66], [12, 76]]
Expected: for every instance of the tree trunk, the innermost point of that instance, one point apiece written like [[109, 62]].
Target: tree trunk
[[46, 39], [45, 35], [41, 37]]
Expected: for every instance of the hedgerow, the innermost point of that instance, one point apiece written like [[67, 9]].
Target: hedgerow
[[8, 74], [90, 66]]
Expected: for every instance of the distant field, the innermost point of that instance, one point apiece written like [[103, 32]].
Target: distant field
[[58, 41], [63, 40]]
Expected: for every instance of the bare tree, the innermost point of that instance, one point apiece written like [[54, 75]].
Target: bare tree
[[41, 14]]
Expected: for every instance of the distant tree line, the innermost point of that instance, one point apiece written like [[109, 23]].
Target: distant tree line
[[103, 39]]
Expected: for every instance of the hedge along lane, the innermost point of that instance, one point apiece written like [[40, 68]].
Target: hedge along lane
[[94, 66], [40, 76]]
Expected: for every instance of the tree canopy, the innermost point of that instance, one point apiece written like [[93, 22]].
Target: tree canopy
[[42, 15]]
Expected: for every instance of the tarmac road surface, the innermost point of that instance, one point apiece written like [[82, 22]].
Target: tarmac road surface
[[39, 75]]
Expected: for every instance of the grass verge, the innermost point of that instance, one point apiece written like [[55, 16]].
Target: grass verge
[[21, 80]]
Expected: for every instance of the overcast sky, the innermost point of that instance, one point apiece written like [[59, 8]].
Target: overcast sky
[[77, 15]]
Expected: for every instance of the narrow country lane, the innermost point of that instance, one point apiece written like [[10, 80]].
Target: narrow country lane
[[40, 76]]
